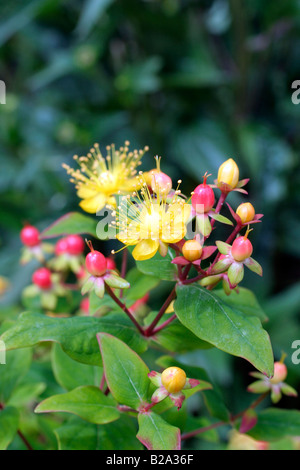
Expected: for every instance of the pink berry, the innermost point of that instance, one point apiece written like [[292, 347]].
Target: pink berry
[[241, 249], [96, 263], [61, 246], [160, 182], [30, 236], [111, 264], [203, 198], [42, 278], [280, 373], [75, 245]]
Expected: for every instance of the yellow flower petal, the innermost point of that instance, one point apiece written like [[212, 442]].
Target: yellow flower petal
[[85, 192], [145, 249], [93, 204]]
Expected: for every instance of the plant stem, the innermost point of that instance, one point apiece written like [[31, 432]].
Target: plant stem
[[20, 434], [163, 325], [219, 206], [234, 418], [124, 308], [149, 331], [124, 267]]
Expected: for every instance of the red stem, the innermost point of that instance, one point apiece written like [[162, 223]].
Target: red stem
[[21, 435], [194, 433], [124, 308], [164, 324], [149, 330]]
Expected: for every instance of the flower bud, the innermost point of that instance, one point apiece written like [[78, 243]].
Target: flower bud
[[173, 379], [229, 173], [192, 250], [246, 212], [280, 373]]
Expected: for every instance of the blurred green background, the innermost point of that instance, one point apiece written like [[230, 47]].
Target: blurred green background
[[197, 81]]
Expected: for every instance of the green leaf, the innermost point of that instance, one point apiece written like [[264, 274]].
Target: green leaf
[[71, 374], [177, 338], [220, 218], [156, 434], [87, 402], [76, 335], [244, 300], [25, 393], [77, 434], [125, 372], [274, 423], [227, 328], [17, 365], [139, 284], [9, 422], [159, 267], [71, 223], [213, 398]]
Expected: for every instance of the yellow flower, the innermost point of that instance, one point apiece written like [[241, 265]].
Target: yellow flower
[[151, 222], [99, 179]]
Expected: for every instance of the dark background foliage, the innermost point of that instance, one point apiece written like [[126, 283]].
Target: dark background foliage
[[197, 81]]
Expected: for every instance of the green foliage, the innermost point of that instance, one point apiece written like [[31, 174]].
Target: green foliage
[[87, 402], [125, 372], [199, 82], [224, 326], [76, 335], [156, 434]]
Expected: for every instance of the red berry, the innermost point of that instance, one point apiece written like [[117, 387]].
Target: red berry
[[85, 305], [75, 245], [111, 263], [161, 182], [241, 248], [42, 278], [61, 246], [96, 263], [30, 236], [203, 198]]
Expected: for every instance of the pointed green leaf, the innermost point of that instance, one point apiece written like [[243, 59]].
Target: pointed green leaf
[[227, 328], [77, 434], [275, 423], [76, 335], [220, 218], [71, 374], [126, 374], [71, 223], [159, 267], [156, 434], [11, 373], [87, 402], [244, 300]]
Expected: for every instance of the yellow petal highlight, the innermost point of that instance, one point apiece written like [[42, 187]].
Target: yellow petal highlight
[[145, 249], [93, 204]]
